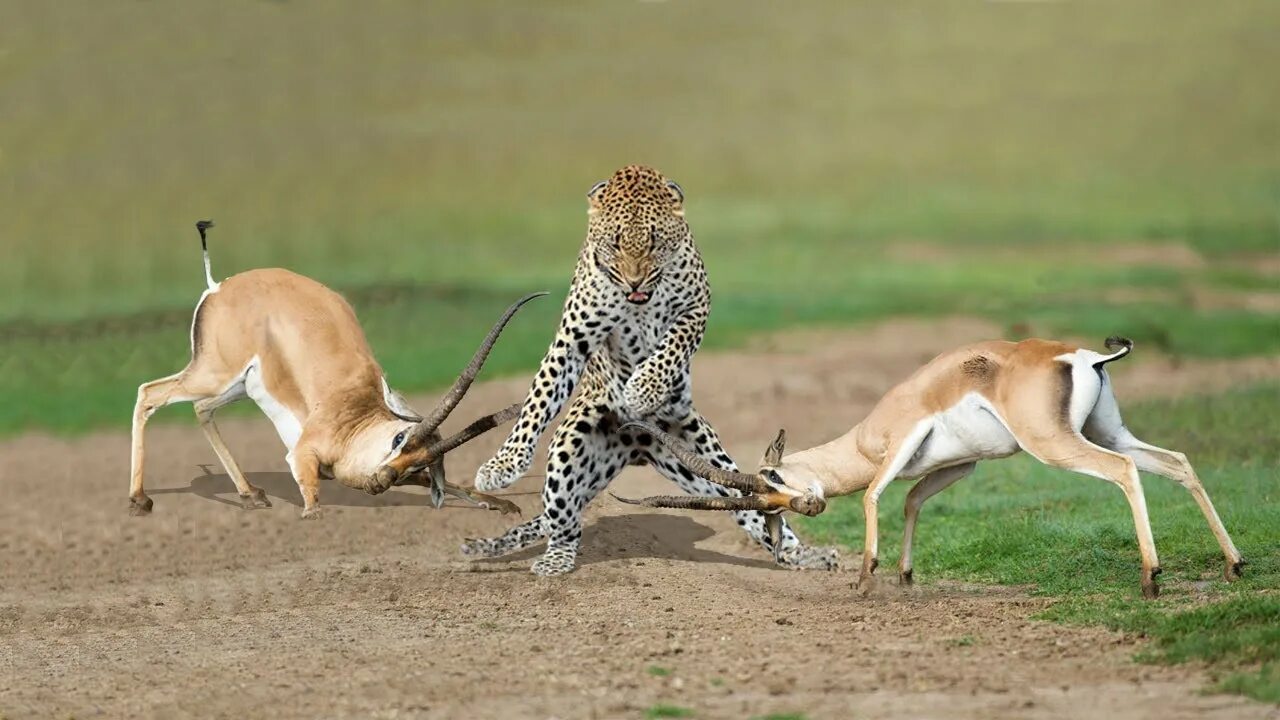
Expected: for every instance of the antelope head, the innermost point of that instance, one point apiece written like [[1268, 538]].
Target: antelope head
[[763, 491], [420, 459]]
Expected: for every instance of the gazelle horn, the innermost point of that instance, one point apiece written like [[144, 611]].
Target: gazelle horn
[[699, 465], [474, 430], [463, 383], [699, 502]]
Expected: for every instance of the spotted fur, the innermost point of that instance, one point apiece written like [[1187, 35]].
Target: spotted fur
[[635, 315]]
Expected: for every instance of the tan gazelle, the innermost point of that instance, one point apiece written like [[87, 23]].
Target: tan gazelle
[[294, 347], [979, 402]]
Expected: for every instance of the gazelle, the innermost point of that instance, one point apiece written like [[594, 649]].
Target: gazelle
[[295, 348], [979, 402]]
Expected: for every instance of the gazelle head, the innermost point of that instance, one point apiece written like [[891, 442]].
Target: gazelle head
[[416, 451], [765, 490]]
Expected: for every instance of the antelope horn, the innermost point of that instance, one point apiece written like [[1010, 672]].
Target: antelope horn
[[463, 383], [698, 465], [699, 502], [473, 431]]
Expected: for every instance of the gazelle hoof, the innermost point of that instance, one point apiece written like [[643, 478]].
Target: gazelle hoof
[[1150, 588], [139, 506], [904, 578], [506, 507], [255, 499], [1235, 570]]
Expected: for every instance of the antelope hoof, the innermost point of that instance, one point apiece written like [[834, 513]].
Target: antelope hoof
[[1150, 589], [869, 566], [255, 499], [311, 513], [139, 506], [1235, 570], [866, 583], [904, 578], [506, 507]]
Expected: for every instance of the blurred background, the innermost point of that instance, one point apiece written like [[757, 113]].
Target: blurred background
[[1068, 168]]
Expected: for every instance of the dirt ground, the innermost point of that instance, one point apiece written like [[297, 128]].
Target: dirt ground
[[207, 610]]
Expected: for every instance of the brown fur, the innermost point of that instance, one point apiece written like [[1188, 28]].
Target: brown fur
[[1031, 392], [288, 322]]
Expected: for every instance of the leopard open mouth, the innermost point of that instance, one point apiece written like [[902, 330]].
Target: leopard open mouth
[[637, 297]]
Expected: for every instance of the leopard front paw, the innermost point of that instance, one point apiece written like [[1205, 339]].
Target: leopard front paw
[[501, 471], [804, 557], [644, 395]]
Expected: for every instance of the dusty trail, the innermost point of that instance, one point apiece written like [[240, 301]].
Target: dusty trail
[[207, 610]]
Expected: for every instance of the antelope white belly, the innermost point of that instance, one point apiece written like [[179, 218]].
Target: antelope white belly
[[967, 431], [287, 425]]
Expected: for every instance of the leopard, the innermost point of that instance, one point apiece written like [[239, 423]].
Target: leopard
[[634, 316]]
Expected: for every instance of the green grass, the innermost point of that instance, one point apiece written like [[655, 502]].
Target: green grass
[[431, 162], [658, 671], [1071, 538], [667, 711], [81, 375]]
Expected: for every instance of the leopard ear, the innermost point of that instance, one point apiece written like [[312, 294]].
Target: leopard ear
[[677, 194], [773, 455], [593, 197]]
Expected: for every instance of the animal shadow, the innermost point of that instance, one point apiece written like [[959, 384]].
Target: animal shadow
[[281, 486], [644, 536]]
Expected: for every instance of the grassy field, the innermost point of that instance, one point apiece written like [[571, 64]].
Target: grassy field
[[1071, 538], [843, 162]]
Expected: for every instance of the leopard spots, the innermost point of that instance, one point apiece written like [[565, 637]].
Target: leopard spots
[[634, 317]]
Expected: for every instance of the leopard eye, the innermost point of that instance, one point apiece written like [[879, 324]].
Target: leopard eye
[[398, 441]]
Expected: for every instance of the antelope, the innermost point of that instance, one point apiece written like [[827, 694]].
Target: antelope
[[294, 347], [983, 401]]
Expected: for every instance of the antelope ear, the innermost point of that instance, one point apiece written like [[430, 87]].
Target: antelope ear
[[773, 456], [593, 197], [397, 404]]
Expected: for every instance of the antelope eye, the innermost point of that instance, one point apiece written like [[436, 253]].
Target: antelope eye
[[399, 439], [772, 476]]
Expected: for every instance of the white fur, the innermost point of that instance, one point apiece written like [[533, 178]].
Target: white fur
[[912, 447], [968, 431], [203, 296], [1085, 384], [288, 426]]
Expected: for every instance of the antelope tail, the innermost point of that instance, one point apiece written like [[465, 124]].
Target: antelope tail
[[1113, 342], [203, 226]]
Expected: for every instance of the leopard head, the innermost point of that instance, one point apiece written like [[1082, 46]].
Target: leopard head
[[635, 223]]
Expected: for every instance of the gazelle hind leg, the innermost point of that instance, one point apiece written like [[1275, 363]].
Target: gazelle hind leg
[[1105, 427], [250, 496], [932, 484], [151, 397], [1071, 451], [1174, 465]]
